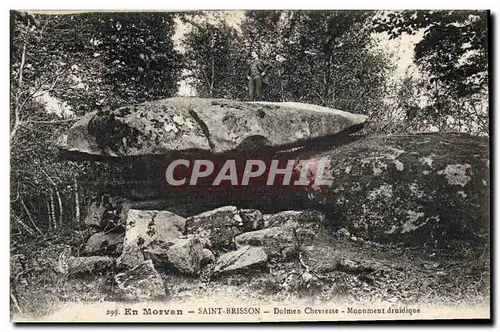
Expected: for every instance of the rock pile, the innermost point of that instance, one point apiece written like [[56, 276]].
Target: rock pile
[[428, 189], [226, 239]]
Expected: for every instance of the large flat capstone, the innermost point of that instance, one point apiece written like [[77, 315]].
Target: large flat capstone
[[215, 126]]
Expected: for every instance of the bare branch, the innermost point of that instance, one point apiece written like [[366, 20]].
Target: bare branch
[[51, 121], [17, 109], [21, 66], [26, 227], [31, 219], [14, 300]]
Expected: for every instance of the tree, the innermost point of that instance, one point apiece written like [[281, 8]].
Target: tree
[[319, 57], [138, 51], [215, 61], [328, 57], [454, 54], [34, 182], [89, 61], [267, 33]]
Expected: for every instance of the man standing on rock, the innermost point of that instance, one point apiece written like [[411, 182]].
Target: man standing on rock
[[257, 73]]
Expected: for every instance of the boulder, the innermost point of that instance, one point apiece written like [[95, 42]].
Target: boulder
[[78, 137], [105, 243], [242, 259], [217, 228], [142, 283], [276, 241], [343, 233], [130, 257], [158, 255], [350, 266], [186, 255], [423, 188], [110, 211], [207, 257], [293, 218], [287, 231], [203, 125], [323, 256], [90, 265], [105, 211], [252, 219], [152, 228]]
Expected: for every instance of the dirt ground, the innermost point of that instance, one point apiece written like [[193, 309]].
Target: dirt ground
[[343, 270], [360, 272]]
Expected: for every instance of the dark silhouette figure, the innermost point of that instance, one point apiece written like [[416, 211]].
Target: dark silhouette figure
[[256, 74]]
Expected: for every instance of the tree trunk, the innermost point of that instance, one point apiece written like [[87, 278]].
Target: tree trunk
[[213, 78], [53, 210], [17, 110], [30, 218], [14, 301], [49, 213], [59, 201], [20, 222], [326, 88], [77, 202], [327, 79], [282, 89]]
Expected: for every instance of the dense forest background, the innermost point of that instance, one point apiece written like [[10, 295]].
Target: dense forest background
[[63, 66]]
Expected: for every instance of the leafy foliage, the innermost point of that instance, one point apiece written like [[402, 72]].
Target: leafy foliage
[[454, 47], [330, 59], [454, 53], [215, 61], [138, 52], [81, 63], [318, 57]]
